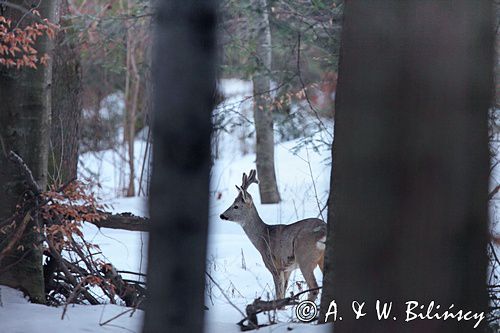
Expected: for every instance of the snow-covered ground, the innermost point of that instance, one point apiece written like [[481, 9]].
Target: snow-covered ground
[[17, 315], [303, 177], [303, 173], [232, 260]]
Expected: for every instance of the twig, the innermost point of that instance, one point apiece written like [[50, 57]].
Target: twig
[[23, 10], [224, 294], [133, 273], [304, 89], [134, 281], [117, 316], [132, 310], [314, 185], [72, 296], [17, 236], [493, 192]]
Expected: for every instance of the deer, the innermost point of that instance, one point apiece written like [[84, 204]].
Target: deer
[[283, 248]]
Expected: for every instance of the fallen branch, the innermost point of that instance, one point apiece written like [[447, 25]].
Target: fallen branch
[[258, 306], [71, 278], [61, 211], [125, 221], [131, 294]]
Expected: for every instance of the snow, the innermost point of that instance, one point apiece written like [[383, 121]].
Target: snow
[[303, 173], [108, 170], [17, 315], [232, 260], [126, 250]]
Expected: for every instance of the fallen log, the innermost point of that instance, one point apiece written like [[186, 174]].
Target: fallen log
[[258, 306], [125, 221]]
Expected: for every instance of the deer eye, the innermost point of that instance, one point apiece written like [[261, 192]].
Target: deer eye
[[235, 207]]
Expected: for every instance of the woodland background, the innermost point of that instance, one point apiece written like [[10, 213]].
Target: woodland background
[[81, 80]]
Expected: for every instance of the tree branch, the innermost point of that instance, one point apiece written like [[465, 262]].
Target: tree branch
[[25, 171]]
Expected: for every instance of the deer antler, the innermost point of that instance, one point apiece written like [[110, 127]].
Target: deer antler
[[246, 181]]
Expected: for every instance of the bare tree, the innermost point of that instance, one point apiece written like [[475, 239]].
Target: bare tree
[[408, 207], [24, 129], [185, 82], [263, 115]]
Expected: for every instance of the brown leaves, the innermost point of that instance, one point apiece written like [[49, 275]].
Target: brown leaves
[[65, 210], [17, 45]]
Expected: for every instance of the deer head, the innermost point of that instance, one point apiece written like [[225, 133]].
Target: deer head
[[242, 207]]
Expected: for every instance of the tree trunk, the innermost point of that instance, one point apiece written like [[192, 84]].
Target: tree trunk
[[25, 129], [263, 116], [181, 163], [131, 100], [66, 105], [496, 7], [408, 207]]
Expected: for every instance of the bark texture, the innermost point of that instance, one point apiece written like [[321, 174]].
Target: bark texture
[[24, 129], [408, 208], [181, 164], [263, 115], [66, 104]]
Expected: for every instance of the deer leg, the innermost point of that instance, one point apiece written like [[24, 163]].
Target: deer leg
[[287, 277], [307, 271], [321, 262], [279, 284]]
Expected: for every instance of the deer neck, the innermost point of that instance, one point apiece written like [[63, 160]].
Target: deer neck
[[256, 229]]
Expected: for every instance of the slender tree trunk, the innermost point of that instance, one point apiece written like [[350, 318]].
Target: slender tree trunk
[[66, 105], [408, 209], [263, 116], [181, 163], [25, 129], [132, 88]]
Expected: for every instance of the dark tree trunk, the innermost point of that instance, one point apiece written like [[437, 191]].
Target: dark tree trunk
[[408, 209], [181, 163], [25, 129], [264, 131], [66, 105], [496, 7]]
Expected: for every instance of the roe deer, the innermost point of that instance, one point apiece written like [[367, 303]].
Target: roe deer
[[284, 248]]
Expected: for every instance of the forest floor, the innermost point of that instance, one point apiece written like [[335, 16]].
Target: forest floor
[[303, 173]]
